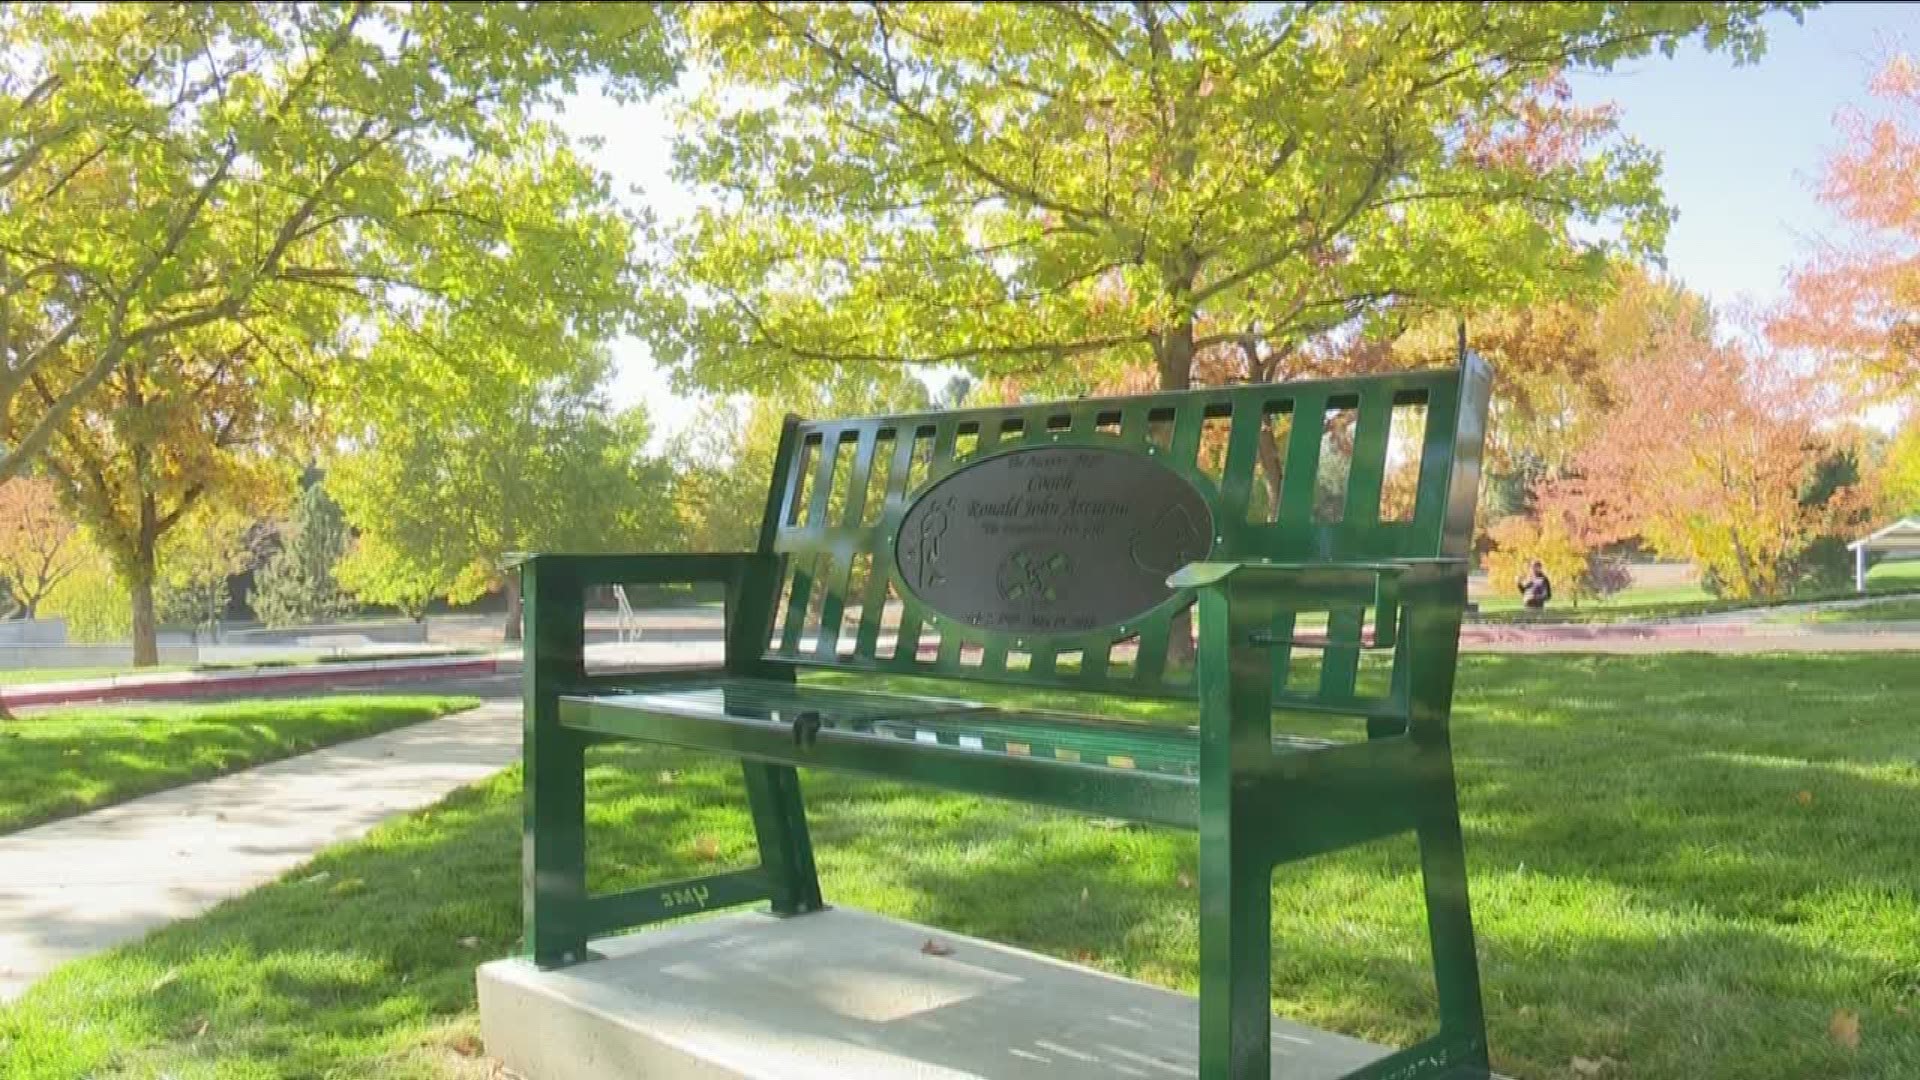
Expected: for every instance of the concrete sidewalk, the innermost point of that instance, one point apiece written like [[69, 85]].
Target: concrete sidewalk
[[77, 886]]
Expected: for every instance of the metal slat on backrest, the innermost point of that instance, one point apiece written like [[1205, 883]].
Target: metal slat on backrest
[[1368, 471], [873, 605], [821, 554], [1293, 536], [843, 549], [1436, 470]]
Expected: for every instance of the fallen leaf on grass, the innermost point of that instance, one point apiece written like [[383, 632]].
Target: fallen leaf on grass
[[1845, 1028], [707, 848], [466, 1045], [1804, 798], [1591, 1066], [936, 948]]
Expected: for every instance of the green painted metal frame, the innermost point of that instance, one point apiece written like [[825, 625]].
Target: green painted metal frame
[[1257, 799]]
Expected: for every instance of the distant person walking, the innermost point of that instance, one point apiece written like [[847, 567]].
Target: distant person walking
[[1536, 588]]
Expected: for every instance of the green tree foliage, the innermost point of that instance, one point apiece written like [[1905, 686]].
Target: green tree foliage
[[302, 173], [91, 601], [1900, 474], [297, 587], [724, 460], [226, 227], [1825, 564], [549, 467], [1061, 191], [197, 603], [205, 424], [196, 567], [376, 572]]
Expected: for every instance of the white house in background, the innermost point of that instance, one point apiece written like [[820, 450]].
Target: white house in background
[[1900, 538]]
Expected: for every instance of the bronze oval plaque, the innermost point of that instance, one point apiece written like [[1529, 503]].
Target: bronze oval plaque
[[1052, 540]]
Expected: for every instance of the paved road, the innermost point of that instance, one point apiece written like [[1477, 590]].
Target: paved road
[[87, 883]]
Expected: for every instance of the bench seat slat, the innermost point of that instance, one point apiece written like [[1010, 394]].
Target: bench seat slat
[[1123, 769]]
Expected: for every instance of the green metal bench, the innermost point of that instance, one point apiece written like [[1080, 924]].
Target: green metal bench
[[1127, 547]]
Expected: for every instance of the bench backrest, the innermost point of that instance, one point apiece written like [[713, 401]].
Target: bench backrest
[[1367, 469]]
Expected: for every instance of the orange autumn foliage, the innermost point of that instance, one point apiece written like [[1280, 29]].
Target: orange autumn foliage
[[1707, 455], [39, 545], [1857, 300], [1570, 526]]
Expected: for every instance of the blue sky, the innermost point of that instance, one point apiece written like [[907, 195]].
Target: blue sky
[[1742, 148]]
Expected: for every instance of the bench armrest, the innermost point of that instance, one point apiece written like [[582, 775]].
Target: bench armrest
[[1324, 586]]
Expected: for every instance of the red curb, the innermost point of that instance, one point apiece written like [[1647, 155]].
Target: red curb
[[300, 678]]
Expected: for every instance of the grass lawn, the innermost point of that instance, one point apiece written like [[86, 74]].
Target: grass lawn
[[66, 761], [1683, 867], [1907, 570]]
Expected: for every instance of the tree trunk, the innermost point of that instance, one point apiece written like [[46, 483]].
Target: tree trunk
[[146, 544], [1747, 583], [146, 638], [1173, 355], [513, 606], [1271, 464]]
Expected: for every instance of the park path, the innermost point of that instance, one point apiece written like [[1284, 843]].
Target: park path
[[86, 883]]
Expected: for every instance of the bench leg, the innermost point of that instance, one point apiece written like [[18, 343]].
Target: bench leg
[[1236, 961], [554, 848], [1456, 971], [780, 826]]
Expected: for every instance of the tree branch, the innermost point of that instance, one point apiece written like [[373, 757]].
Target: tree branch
[[969, 162], [1382, 169]]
